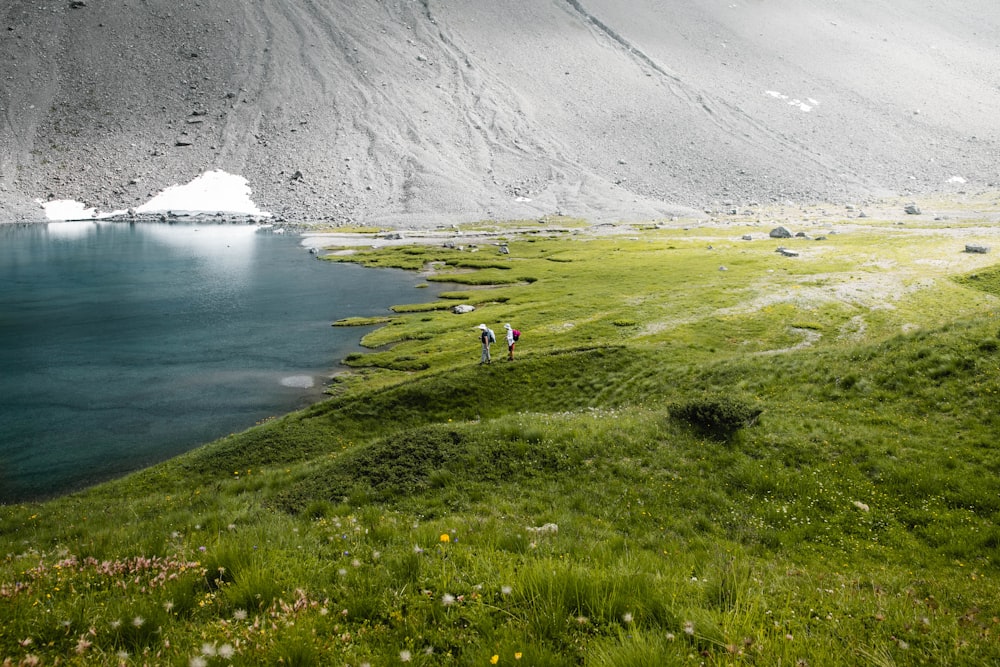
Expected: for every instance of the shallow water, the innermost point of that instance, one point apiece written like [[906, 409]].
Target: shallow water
[[123, 345]]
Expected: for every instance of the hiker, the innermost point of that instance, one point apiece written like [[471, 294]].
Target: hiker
[[512, 336], [486, 336]]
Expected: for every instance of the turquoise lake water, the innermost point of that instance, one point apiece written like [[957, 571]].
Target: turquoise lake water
[[123, 345]]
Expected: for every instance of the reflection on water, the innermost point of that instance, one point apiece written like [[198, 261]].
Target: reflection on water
[[226, 250], [122, 345], [69, 230]]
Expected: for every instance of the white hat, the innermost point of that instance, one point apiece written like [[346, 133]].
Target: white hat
[[483, 327], [507, 326]]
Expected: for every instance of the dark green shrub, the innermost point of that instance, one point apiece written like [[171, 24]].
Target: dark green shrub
[[716, 416]]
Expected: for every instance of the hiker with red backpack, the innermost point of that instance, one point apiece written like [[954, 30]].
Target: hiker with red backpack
[[512, 337]]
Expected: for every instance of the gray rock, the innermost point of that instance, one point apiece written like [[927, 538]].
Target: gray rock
[[972, 247], [463, 308], [912, 209], [786, 252], [780, 233]]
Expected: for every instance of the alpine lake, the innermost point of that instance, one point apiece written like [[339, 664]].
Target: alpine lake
[[124, 344]]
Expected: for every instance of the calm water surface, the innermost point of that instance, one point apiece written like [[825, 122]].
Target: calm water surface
[[123, 345]]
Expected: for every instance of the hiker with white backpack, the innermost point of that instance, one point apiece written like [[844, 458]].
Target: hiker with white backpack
[[486, 336]]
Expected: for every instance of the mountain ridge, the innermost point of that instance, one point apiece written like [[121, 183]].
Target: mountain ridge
[[424, 113]]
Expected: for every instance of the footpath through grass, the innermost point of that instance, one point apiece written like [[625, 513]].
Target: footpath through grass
[[558, 510]]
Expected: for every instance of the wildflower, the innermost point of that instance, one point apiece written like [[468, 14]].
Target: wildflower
[[582, 620], [356, 563], [627, 617], [860, 505], [197, 661], [417, 549], [789, 636], [203, 549], [404, 656], [138, 621], [168, 606], [506, 590], [342, 572], [445, 537], [208, 649], [517, 655], [82, 645], [447, 599], [688, 628], [226, 652], [670, 637], [240, 615], [495, 659]]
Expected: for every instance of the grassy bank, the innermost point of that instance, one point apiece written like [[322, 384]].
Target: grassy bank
[[575, 507]]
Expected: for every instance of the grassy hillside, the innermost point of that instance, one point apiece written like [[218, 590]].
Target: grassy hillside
[[572, 507]]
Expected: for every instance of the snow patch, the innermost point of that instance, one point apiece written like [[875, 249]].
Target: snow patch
[[67, 209], [805, 106], [212, 192]]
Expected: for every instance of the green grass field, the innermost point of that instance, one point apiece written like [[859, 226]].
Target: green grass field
[[705, 453]]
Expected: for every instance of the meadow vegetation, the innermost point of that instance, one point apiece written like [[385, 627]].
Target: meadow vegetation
[[705, 453]]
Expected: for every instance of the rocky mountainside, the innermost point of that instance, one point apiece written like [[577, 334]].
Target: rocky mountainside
[[425, 112]]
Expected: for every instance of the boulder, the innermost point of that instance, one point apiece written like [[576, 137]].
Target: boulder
[[786, 252], [780, 233], [912, 209], [463, 308], [981, 249]]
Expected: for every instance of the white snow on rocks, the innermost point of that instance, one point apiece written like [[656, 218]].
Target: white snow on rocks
[[212, 192], [805, 106]]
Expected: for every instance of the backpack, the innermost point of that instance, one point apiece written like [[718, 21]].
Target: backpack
[[493, 336], [517, 335]]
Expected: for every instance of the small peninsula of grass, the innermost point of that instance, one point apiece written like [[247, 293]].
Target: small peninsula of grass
[[361, 321], [705, 453]]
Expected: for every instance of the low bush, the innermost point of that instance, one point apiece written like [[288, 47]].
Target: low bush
[[718, 416]]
